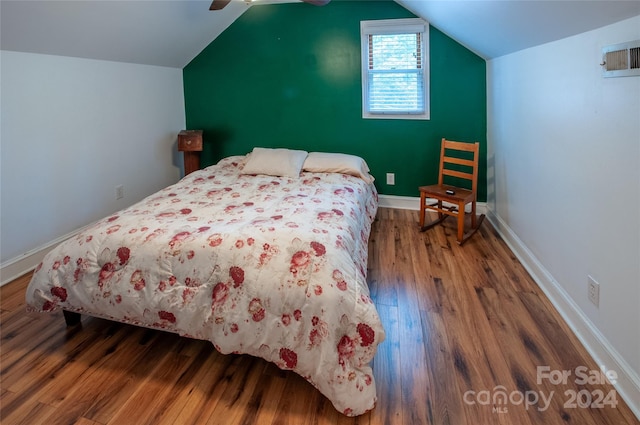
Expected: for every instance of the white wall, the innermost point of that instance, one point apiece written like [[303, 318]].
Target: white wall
[[564, 175], [73, 129]]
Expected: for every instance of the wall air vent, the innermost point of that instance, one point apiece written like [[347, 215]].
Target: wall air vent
[[621, 60]]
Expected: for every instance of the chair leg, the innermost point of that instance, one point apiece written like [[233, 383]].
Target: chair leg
[[423, 199], [473, 215], [423, 214], [460, 222]]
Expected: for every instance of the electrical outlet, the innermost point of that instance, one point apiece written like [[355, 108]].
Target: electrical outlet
[[593, 291], [119, 192], [391, 179]]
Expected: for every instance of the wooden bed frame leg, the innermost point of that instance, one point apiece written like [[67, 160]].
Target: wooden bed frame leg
[[71, 318]]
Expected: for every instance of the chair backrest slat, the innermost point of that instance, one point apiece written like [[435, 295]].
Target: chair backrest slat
[[459, 174], [459, 161]]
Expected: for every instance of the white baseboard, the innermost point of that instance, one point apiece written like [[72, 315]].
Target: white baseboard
[[16, 267], [399, 202], [603, 353], [413, 203]]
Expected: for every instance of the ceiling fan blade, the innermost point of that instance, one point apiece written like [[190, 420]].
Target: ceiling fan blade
[[218, 4]]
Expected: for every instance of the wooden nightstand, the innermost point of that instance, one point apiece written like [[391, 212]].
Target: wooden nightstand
[[190, 142]]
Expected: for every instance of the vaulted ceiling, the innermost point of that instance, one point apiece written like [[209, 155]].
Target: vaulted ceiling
[[171, 33], [164, 33], [499, 27]]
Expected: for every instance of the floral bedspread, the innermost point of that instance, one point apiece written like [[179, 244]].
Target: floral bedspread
[[268, 266]]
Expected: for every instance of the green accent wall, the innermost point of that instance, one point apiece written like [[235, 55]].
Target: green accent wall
[[289, 75]]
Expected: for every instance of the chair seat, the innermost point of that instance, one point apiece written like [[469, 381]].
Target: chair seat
[[440, 192]]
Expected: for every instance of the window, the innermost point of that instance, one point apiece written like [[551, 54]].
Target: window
[[395, 69]]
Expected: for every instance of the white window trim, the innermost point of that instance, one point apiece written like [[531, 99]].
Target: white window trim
[[394, 26]]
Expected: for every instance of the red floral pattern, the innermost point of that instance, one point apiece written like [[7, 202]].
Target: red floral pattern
[[289, 357], [272, 267]]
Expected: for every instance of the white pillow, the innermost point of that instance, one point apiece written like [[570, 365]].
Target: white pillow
[[323, 162], [274, 162]]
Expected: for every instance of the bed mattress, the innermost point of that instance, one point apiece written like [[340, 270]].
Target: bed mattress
[[273, 267]]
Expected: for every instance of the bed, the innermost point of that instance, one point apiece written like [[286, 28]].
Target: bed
[[263, 254]]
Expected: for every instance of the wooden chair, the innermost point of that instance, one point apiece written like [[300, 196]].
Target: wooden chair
[[457, 197]]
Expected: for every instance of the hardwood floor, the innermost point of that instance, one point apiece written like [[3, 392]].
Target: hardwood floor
[[462, 324]]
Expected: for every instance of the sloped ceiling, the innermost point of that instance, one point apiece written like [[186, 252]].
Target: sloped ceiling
[[496, 28], [171, 33], [151, 32]]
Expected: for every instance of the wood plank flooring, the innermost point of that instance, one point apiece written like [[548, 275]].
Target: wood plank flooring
[[462, 324]]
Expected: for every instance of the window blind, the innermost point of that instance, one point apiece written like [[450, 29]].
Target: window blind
[[395, 73]]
